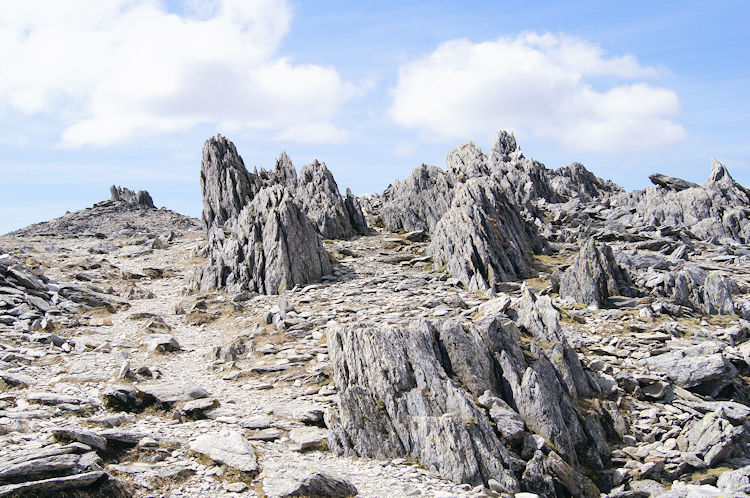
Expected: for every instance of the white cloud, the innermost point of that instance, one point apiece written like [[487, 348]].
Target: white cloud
[[536, 84], [118, 69]]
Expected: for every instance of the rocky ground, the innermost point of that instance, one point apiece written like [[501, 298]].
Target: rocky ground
[[212, 361], [438, 362]]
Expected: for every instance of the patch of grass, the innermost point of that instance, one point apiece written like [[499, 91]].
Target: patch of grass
[[537, 282], [709, 473], [554, 259], [228, 473], [199, 318]]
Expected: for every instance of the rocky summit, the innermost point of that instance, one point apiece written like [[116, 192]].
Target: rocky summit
[[490, 327]]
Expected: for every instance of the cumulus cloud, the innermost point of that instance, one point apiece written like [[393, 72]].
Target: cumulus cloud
[[118, 69], [539, 84]]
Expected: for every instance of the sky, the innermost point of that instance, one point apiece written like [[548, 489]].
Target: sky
[[102, 92]]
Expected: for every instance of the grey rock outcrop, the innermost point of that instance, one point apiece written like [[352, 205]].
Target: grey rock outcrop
[[482, 239], [264, 228], [226, 185], [523, 179], [466, 161], [594, 276], [418, 202], [371, 205], [575, 180], [271, 246], [383, 376], [140, 199], [125, 210], [356, 215], [705, 292], [671, 182], [334, 216], [717, 295], [718, 208]]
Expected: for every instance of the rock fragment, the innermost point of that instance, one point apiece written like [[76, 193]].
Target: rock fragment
[[229, 448], [293, 480]]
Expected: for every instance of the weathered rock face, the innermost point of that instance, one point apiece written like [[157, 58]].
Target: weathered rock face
[[371, 205], [271, 246], [523, 179], [418, 202], [140, 199], [383, 377], [225, 183], [482, 238], [264, 227], [356, 215], [406, 392], [321, 202], [466, 161], [593, 277], [711, 438], [718, 208], [576, 180]]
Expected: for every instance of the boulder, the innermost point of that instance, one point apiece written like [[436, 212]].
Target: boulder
[[671, 183], [593, 277], [228, 447], [702, 368], [735, 480], [717, 296], [712, 438], [292, 480]]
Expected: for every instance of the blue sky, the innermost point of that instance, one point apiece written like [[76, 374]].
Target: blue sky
[[94, 93]]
